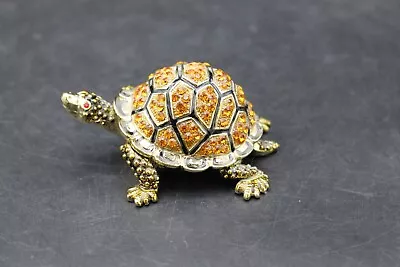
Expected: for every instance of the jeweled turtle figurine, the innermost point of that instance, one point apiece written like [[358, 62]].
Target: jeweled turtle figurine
[[190, 116]]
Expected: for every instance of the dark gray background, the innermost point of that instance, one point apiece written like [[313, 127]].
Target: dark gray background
[[326, 72]]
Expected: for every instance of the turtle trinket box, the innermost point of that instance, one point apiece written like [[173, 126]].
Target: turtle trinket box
[[190, 116]]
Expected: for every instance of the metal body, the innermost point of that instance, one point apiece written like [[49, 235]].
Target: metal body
[[190, 116]]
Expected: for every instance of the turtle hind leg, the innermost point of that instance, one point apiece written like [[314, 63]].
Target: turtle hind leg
[[265, 123], [253, 182], [265, 147], [146, 191]]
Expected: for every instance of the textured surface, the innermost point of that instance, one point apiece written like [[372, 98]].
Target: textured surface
[[325, 72], [200, 103]]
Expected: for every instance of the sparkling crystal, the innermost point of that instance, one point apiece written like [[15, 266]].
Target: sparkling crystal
[[195, 163]]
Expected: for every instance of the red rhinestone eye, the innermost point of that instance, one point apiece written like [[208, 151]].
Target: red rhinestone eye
[[86, 105]]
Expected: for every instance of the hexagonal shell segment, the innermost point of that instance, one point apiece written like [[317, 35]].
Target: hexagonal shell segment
[[167, 139], [240, 96], [206, 105], [143, 124], [196, 73], [140, 95], [215, 145], [222, 80], [157, 108], [164, 77], [181, 99], [226, 112], [191, 132], [240, 129]]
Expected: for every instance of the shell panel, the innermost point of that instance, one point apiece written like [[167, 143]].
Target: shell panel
[[222, 80], [192, 109], [140, 95], [143, 124], [252, 114], [226, 112], [164, 77], [240, 130], [166, 138], [206, 105], [191, 133], [215, 145], [240, 96], [195, 72], [181, 100], [158, 108]]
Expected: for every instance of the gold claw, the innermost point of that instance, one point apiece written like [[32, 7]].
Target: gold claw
[[265, 147], [140, 196], [252, 187], [266, 124]]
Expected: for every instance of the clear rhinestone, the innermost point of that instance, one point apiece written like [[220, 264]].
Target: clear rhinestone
[[168, 156], [245, 149], [223, 160], [256, 132], [126, 92], [146, 145], [126, 108], [195, 163]]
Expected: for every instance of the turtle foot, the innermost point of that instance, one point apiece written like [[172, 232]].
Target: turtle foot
[[141, 196], [266, 124], [265, 147], [253, 186]]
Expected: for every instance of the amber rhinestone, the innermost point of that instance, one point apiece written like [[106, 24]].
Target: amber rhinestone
[[140, 96], [240, 129], [206, 105], [215, 146], [158, 108], [180, 63], [167, 139], [162, 78], [226, 112], [195, 72], [222, 80], [190, 132], [252, 114], [181, 97], [143, 124], [240, 96]]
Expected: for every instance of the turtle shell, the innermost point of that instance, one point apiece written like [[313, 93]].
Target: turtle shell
[[189, 115]]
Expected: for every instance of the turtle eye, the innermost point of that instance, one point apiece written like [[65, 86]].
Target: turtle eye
[[86, 105]]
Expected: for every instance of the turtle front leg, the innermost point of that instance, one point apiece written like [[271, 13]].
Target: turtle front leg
[[253, 183], [144, 170]]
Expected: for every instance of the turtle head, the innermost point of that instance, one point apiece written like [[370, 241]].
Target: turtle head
[[80, 104], [88, 107]]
